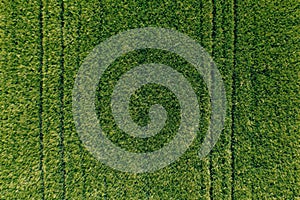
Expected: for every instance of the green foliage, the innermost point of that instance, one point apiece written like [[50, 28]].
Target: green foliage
[[255, 44]]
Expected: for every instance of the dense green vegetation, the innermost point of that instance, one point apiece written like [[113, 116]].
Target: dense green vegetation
[[256, 46]]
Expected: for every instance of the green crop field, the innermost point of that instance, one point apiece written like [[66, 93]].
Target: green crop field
[[256, 47]]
